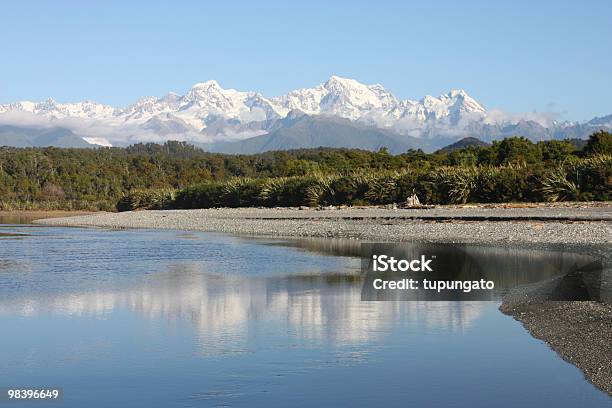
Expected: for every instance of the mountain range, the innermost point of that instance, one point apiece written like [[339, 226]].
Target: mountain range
[[338, 113]]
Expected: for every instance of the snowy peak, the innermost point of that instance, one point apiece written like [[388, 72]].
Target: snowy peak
[[338, 96], [387, 99], [209, 109], [351, 99], [208, 99], [210, 84], [451, 108], [601, 121], [343, 97], [460, 100], [54, 110], [335, 80]]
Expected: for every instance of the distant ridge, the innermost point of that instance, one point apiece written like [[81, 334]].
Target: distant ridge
[[319, 131], [464, 143], [16, 136]]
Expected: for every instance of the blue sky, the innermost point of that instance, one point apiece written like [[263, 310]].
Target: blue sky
[[516, 56]]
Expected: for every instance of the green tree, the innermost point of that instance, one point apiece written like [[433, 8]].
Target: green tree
[[556, 150], [463, 157], [599, 143], [517, 150], [299, 167]]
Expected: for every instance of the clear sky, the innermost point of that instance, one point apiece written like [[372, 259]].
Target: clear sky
[[517, 56]]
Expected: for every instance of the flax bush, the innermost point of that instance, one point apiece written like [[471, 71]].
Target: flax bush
[[158, 199], [582, 179]]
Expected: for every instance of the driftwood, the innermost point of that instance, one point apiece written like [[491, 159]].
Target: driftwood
[[413, 202]]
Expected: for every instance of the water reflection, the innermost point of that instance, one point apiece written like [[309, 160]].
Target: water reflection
[[163, 318], [507, 266], [572, 276], [308, 290], [221, 307]]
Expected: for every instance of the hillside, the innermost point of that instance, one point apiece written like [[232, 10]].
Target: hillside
[[319, 131], [32, 137], [464, 143]]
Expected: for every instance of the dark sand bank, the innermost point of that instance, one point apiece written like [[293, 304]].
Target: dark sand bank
[[579, 331]]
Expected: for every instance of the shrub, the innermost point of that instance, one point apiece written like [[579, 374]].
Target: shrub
[[583, 180], [384, 188], [504, 184], [285, 191], [321, 190], [351, 187], [241, 192], [556, 186], [147, 200], [456, 184], [205, 195], [576, 179]]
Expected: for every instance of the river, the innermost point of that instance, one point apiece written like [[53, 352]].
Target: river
[[145, 318]]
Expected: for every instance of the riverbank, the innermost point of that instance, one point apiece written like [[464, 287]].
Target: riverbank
[[579, 224], [579, 331], [23, 216]]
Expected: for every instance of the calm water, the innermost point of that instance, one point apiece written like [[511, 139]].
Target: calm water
[[177, 319]]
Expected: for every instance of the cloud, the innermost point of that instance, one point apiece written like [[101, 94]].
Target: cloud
[[115, 131], [117, 134], [546, 119], [100, 141]]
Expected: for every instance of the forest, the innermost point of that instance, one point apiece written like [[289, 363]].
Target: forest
[[178, 175]]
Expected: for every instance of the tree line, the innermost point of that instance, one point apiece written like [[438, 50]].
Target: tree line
[[180, 175]]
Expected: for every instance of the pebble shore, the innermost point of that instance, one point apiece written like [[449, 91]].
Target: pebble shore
[[449, 224]]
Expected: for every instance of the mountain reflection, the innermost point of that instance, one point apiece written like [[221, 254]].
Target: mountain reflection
[[224, 290], [222, 308]]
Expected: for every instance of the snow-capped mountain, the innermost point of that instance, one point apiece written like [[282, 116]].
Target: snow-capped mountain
[[53, 110], [341, 97], [206, 101], [209, 113]]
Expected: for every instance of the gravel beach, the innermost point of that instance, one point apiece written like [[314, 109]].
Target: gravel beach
[[580, 331], [544, 225]]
